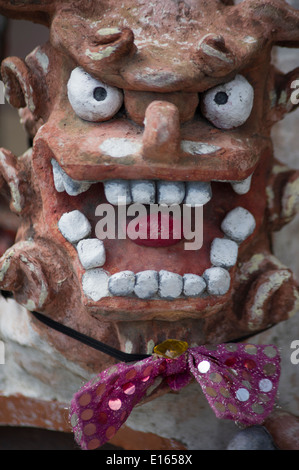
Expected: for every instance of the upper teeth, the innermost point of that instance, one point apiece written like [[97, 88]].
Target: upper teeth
[[63, 182], [242, 187], [165, 192], [145, 191]]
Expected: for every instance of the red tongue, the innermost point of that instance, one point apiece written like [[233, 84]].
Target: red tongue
[[155, 230]]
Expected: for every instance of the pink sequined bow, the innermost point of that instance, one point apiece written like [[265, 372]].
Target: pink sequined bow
[[239, 381]]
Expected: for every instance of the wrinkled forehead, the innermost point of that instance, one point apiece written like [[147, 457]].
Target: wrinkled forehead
[[158, 46]]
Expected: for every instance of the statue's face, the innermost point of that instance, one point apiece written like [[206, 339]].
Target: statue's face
[[172, 117]]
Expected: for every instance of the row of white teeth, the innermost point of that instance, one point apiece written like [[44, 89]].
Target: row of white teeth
[[97, 283], [146, 191]]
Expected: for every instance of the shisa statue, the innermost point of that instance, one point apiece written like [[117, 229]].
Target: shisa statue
[[135, 105]]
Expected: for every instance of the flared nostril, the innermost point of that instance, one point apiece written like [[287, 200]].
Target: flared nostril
[[161, 137], [137, 102]]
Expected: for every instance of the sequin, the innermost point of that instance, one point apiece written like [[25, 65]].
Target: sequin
[[211, 392], [129, 388], [147, 371], [257, 408], [263, 398], [246, 384], [89, 429], [231, 347], [250, 364], [130, 375], [269, 369], [100, 390], [232, 408], [246, 375], [270, 351], [215, 377], [203, 367], [220, 407], [162, 367], [250, 349], [93, 444], [114, 404], [230, 361], [265, 385], [86, 415], [85, 399], [110, 432], [242, 394], [145, 379], [224, 392], [102, 418]]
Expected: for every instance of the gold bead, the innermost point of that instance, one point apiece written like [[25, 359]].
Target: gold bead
[[171, 348]]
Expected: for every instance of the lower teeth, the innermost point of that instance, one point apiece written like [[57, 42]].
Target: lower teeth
[[153, 285]]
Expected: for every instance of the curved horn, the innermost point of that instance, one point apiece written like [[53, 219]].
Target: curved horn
[[214, 55], [95, 49], [38, 12]]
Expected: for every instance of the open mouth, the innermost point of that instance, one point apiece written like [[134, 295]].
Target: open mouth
[[157, 270]]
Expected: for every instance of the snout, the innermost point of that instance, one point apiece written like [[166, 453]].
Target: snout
[[161, 114]]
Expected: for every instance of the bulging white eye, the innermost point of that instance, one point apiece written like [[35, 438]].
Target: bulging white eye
[[229, 105], [91, 99]]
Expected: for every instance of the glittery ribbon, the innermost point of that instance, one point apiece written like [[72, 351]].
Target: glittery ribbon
[[240, 382]]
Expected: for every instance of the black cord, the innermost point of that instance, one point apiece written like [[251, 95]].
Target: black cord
[[102, 347], [93, 343]]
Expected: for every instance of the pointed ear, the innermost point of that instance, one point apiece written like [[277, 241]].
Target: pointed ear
[[21, 89], [286, 92]]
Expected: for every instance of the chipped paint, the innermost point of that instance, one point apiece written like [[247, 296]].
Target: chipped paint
[[42, 59], [198, 148], [283, 98], [100, 55], [290, 199], [16, 198], [208, 50], [6, 263], [10, 175], [120, 147], [262, 295], [108, 31], [249, 40], [43, 294], [28, 263], [252, 266]]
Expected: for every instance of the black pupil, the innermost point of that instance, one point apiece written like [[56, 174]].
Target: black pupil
[[221, 97], [99, 93]]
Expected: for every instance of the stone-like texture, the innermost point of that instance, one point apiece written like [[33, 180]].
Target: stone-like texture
[[194, 431]]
